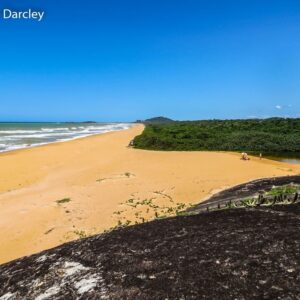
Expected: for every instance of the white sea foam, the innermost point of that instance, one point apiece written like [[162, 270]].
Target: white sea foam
[[19, 136]]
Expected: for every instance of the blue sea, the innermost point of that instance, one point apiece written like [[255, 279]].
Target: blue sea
[[23, 135]]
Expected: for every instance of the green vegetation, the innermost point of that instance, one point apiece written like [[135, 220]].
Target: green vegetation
[[274, 135], [285, 190], [286, 194], [146, 210], [80, 234], [61, 201]]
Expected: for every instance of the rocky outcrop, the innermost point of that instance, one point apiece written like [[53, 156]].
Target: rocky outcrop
[[245, 190], [227, 254]]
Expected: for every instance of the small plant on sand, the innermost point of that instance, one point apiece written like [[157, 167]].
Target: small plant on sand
[[62, 201], [142, 210], [80, 233]]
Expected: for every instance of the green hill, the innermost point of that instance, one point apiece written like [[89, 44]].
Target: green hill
[[156, 120]]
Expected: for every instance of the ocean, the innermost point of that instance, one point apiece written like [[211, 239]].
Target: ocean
[[24, 135]]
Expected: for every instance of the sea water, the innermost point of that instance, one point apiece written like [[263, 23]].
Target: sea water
[[23, 135]]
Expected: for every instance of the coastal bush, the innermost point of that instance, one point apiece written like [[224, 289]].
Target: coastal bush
[[286, 190], [274, 135]]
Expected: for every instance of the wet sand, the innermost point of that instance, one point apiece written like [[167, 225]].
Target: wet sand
[[99, 177]]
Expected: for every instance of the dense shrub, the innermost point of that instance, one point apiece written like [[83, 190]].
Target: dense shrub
[[275, 135]]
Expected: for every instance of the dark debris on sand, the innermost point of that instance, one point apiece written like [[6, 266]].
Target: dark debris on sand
[[228, 254]]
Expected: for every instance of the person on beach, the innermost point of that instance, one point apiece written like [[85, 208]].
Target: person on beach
[[260, 156], [245, 156]]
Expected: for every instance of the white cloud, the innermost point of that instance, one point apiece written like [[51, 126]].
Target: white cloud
[[278, 106]]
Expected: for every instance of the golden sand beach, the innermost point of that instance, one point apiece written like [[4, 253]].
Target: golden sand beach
[[58, 192]]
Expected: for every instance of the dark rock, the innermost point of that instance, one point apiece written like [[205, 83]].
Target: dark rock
[[245, 190], [227, 254]]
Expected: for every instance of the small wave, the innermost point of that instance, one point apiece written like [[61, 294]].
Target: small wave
[[13, 147], [24, 138], [40, 135], [2, 132], [53, 129]]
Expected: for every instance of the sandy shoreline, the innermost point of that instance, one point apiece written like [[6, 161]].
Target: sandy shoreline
[[101, 176]]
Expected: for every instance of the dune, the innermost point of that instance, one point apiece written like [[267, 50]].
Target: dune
[[59, 192]]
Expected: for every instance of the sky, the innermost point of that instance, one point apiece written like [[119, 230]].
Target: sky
[[116, 60]]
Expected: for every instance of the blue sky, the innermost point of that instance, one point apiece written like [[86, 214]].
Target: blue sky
[[125, 60]]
